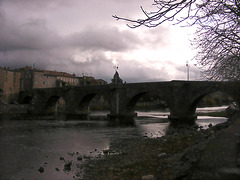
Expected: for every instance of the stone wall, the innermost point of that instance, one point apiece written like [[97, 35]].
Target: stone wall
[[9, 84], [14, 108], [42, 81]]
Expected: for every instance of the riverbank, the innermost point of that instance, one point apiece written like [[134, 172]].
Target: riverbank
[[63, 149], [174, 156]]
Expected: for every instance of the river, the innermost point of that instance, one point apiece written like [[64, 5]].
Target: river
[[28, 145]]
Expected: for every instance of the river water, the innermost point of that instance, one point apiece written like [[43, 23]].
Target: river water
[[28, 145]]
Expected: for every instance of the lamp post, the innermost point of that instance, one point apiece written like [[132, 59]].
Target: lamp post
[[187, 65]]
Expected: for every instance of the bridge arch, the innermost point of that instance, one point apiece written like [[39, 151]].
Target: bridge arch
[[91, 101], [83, 105], [27, 100], [55, 104], [150, 98], [199, 98], [25, 97], [133, 101]]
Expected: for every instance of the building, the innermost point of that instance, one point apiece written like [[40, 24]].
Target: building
[[28, 78], [101, 82], [89, 80], [39, 78], [61, 79], [10, 84]]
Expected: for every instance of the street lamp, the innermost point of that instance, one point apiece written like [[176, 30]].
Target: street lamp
[[188, 66]]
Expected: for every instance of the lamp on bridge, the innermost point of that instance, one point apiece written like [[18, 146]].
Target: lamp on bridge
[[188, 66]]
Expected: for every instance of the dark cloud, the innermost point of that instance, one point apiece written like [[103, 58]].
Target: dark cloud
[[21, 58], [32, 35], [105, 38], [77, 36], [38, 4]]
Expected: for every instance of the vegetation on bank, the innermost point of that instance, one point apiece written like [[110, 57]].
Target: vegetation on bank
[[215, 99], [213, 114]]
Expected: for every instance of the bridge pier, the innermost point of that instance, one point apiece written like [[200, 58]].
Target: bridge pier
[[121, 119], [182, 121], [182, 114], [182, 106], [120, 113], [77, 116]]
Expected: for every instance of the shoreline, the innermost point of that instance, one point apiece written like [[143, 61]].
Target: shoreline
[[173, 156]]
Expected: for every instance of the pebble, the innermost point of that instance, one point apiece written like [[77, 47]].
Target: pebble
[[162, 155], [233, 171], [105, 152], [148, 177], [67, 166], [79, 158], [41, 169]]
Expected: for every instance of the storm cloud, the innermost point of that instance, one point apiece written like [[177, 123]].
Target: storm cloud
[[105, 38], [81, 37]]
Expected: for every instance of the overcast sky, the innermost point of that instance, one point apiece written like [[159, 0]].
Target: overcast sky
[[79, 36]]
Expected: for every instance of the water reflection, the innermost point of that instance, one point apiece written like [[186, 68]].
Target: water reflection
[[204, 121], [28, 145]]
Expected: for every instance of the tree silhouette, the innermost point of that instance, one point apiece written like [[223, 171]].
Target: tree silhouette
[[217, 38]]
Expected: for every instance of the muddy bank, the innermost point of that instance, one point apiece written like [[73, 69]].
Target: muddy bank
[[174, 156]]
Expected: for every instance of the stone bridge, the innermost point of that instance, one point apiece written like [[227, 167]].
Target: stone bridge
[[181, 97]]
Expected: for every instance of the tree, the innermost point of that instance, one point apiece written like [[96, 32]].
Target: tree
[[217, 38]]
